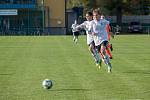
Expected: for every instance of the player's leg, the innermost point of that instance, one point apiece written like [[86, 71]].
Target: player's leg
[[111, 47], [106, 58], [100, 54], [99, 63], [108, 52], [95, 54], [76, 36], [92, 51], [76, 39]]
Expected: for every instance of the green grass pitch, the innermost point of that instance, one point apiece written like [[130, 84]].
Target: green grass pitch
[[25, 61]]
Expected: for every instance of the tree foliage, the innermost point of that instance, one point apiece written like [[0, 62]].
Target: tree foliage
[[128, 7], [114, 7]]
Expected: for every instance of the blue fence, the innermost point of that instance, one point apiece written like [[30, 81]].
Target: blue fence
[[17, 1], [17, 4]]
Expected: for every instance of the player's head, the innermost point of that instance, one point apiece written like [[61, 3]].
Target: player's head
[[89, 16], [102, 17], [96, 14]]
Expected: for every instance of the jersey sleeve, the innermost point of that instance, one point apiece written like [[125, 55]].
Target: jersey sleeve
[[94, 28], [83, 25]]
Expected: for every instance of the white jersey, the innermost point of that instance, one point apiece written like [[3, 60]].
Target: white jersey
[[99, 30], [86, 26], [74, 29]]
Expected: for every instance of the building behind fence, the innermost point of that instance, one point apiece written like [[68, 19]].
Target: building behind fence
[[32, 17]]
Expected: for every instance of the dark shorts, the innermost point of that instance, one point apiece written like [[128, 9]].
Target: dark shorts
[[104, 43], [76, 33], [92, 43]]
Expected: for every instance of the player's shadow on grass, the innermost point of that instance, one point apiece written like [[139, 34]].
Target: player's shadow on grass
[[138, 72], [6, 74], [71, 89]]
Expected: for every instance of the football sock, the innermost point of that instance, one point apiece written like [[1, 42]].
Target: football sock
[[99, 58], [109, 53]]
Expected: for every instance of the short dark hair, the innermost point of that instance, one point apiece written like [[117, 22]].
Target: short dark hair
[[89, 13], [97, 11]]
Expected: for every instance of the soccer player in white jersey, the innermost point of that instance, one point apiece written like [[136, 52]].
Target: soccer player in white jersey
[[110, 34], [90, 40], [98, 29], [75, 31]]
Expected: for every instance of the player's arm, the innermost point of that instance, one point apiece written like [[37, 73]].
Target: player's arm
[[111, 34], [72, 26], [109, 29], [94, 31], [81, 26]]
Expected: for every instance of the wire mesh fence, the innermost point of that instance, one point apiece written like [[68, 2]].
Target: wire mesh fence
[[38, 31], [127, 30]]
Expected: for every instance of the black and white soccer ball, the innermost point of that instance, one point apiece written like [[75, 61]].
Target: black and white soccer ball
[[47, 84]]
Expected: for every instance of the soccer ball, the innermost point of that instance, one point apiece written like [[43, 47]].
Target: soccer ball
[[47, 84]]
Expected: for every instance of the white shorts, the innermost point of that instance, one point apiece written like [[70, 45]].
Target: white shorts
[[89, 39]]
